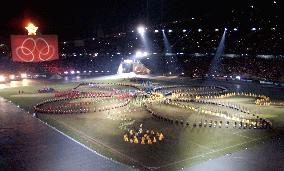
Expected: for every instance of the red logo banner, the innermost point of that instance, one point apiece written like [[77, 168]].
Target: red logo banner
[[34, 48]]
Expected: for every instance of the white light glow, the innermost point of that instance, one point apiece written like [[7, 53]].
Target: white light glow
[[128, 61], [140, 54], [141, 30], [12, 77], [2, 78], [23, 75]]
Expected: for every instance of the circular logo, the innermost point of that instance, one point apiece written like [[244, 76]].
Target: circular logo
[[35, 50]]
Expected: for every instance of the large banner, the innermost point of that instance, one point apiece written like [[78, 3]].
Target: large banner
[[34, 48]]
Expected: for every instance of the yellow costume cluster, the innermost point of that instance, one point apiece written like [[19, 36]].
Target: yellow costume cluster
[[263, 101], [143, 137]]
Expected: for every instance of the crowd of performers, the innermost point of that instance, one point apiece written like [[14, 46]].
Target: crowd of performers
[[237, 120], [143, 136], [51, 106], [180, 95]]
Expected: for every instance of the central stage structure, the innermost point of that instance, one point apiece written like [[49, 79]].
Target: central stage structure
[[128, 66]]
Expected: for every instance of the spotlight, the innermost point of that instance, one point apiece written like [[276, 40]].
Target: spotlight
[[184, 30], [141, 30], [216, 29], [235, 29], [138, 54], [226, 29], [156, 31], [253, 29], [199, 30], [170, 31]]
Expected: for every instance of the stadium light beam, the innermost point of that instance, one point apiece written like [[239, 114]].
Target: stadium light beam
[[168, 52], [145, 41], [167, 45], [217, 58]]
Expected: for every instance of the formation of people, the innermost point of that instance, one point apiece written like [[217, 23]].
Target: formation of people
[[143, 136]]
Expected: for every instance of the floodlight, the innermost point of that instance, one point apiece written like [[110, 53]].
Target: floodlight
[[141, 30], [138, 54]]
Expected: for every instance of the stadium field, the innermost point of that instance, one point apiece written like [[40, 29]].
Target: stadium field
[[184, 144]]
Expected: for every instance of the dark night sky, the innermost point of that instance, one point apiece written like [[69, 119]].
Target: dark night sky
[[80, 18]]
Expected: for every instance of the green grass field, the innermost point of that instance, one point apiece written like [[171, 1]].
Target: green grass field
[[182, 146]]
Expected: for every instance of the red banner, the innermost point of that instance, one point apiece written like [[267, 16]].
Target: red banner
[[34, 48]]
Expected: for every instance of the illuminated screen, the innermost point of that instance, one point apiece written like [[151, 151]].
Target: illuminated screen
[[34, 48]]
